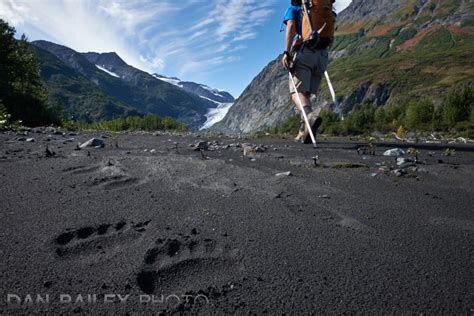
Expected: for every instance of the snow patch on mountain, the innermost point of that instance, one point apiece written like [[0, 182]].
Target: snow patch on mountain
[[174, 81], [215, 92], [209, 99], [199, 89], [108, 72]]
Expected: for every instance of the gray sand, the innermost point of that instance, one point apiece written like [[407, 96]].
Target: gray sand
[[344, 236]]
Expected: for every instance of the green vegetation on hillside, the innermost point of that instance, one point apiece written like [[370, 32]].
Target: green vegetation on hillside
[[434, 64], [404, 36], [419, 61], [455, 116], [21, 90], [91, 94], [78, 97], [135, 123], [289, 126]]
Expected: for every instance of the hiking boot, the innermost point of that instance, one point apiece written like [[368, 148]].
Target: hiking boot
[[315, 121]]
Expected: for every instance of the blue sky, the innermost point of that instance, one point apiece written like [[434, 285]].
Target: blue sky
[[222, 43]]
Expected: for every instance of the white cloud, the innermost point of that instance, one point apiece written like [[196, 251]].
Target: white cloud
[[132, 15], [203, 23], [245, 36], [155, 62], [13, 12], [79, 25], [238, 16], [147, 34], [232, 21]]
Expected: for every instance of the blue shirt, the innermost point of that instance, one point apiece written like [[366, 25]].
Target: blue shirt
[[294, 13]]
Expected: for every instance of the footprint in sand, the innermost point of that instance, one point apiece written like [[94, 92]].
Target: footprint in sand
[[352, 223], [452, 223], [98, 242], [177, 265], [108, 176], [81, 169]]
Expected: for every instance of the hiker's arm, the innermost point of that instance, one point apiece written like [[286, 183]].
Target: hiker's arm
[[290, 34]]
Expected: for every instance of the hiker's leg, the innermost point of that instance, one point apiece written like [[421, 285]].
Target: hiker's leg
[[305, 100], [301, 83], [300, 88], [318, 62]]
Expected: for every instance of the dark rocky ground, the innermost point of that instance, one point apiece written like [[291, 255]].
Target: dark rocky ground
[[347, 235]]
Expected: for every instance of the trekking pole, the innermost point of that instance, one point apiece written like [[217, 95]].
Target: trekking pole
[[331, 88], [305, 117]]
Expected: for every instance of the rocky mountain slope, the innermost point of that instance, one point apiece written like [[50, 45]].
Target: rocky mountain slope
[[125, 88], [384, 51], [263, 103]]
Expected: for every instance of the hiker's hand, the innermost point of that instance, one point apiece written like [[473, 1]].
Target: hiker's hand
[[286, 60]]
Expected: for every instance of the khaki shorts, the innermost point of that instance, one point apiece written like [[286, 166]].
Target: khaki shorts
[[309, 69]]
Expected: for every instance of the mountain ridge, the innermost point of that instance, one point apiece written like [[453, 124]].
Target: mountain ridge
[[79, 98], [131, 87]]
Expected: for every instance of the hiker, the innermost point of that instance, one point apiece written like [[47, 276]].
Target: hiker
[[306, 55]]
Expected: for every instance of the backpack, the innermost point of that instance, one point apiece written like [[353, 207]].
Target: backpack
[[322, 19]]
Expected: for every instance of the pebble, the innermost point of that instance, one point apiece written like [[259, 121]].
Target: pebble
[[402, 160], [395, 152], [408, 165], [399, 172], [201, 145], [284, 174], [404, 163], [93, 142]]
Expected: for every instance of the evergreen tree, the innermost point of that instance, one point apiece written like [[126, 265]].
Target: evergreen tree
[[419, 114], [360, 120], [21, 89], [458, 105]]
